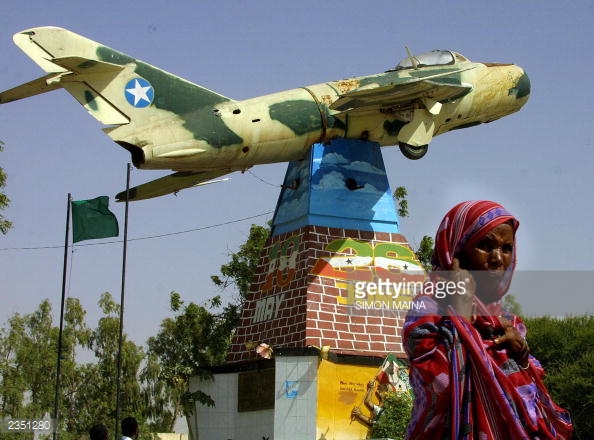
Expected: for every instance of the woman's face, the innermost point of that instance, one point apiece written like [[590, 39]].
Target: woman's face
[[491, 255]]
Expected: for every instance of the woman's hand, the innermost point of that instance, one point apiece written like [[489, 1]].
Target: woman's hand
[[514, 342], [463, 303]]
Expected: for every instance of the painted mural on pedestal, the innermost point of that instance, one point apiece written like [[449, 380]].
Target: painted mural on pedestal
[[342, 184], [351, 397]]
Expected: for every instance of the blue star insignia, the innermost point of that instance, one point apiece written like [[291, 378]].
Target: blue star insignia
[[139, 92]]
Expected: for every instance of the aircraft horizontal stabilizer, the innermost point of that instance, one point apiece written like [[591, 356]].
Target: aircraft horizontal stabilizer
[[171, 184], [37, 86]]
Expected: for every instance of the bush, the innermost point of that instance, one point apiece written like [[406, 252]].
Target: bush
[[565, 347], [395, 416]]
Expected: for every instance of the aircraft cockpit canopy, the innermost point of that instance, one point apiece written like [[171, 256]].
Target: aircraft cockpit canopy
[[432, 58]]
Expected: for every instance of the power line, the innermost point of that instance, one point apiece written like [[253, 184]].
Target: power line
[[150, 237], [260, 179]]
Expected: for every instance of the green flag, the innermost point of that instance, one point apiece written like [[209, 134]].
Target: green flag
[[93, 219]]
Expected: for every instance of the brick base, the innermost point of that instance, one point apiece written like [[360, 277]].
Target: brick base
[[304, 293]]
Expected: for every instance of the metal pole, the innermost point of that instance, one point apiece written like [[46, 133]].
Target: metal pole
[[59, 360], [121, 335]]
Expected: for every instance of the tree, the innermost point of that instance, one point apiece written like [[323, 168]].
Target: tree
[[400, 196], [186, 346], [425, 252], [393, 421], [99, 386], [28, 355], [566, 350], [239, 271], [75, 338], [511, 304], [5, 225], [162, 397], [197, 338]]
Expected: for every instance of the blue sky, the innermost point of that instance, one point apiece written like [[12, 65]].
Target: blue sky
[[538, 162]]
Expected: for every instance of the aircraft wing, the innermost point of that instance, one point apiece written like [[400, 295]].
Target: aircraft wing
[[373, 95], [171, 184]]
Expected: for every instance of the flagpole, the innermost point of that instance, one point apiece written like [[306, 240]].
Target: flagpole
[[59, 360], [121, 335]]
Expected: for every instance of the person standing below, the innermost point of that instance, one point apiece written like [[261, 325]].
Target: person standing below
[[129, 428], [470, 366], [99, 432]]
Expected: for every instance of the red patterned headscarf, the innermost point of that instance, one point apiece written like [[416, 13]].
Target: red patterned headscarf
[[466, 224]]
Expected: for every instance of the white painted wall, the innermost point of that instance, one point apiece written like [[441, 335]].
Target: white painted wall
[[296, 388], [223, 422], [294, 415]]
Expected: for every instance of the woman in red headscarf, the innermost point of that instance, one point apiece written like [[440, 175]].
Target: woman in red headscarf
[[470, 366]]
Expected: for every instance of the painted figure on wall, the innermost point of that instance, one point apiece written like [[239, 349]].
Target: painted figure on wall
[[376, 408], [391, 377]]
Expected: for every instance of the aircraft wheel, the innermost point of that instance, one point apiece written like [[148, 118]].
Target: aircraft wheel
[[411, 152]]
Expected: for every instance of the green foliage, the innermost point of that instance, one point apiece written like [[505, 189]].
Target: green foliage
[[511, 304], [27, 349], [400, 196], [5, 225], [186, 345], [240, 270], [197, 338], [425, 252], [565, 347], [394, 418], [155, 385], [162, 399], [102, 375], [28, 360]]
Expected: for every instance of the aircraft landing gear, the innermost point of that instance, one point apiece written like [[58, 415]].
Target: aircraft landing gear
[[411, 152]]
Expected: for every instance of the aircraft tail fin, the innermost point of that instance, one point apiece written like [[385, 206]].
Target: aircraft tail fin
[[113, 87]]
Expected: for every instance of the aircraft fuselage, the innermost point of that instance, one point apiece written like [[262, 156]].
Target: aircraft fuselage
[[167, 122], [282, 126]]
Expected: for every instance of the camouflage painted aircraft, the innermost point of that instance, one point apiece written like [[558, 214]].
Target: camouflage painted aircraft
[[166, 122]]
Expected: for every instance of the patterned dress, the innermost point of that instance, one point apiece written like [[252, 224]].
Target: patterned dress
[[467, 389]]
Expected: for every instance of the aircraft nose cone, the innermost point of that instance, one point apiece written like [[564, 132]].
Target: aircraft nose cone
[[523, 85], [521, 89]]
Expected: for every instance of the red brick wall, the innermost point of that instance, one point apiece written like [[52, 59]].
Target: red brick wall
[[295, 302]]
